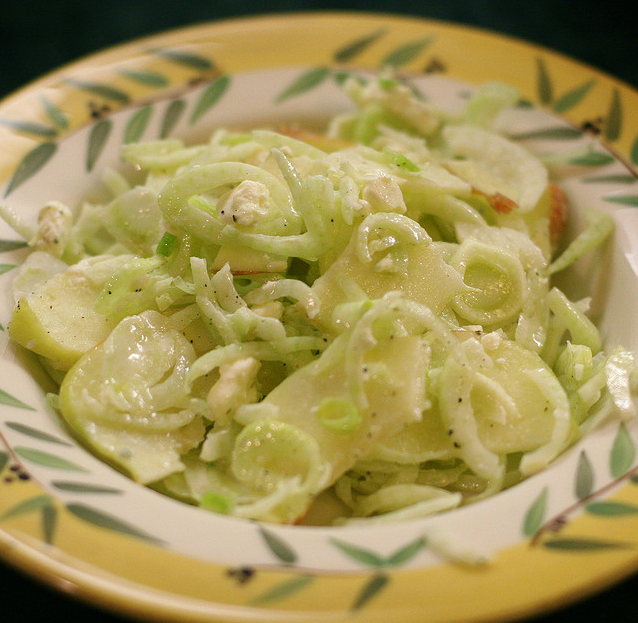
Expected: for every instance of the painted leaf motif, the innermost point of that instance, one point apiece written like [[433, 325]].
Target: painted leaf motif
[[172, 116], [98, 137], [583, 545], [623, 453], [360, 554], [634, 151], [340, 77], [7, 399], [26, 506], [137, 124], [5, 268], [584, 477], [147, 78], [351, 50], [620, 178], [210, 97], [11, 245], [613, 125], [611, 509], [407, 552], [35, 433], [558, 133], [278, 546], [407, 52], [54, 113], [4, 459], [104, 91], [284, 589], [304, 83], [81, 487], [109, 522], [627, 200], [48, 460], [27, 127], [535, 515], [195, 61], [593, 159], [372, 587], [49, 522], [544, 83], [31, 164], [573, 97]]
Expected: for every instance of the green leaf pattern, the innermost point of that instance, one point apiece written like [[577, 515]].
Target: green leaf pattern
[[612, 509], [26, 506], [399, 56], [188, 59], [359, 554], [352, 49], [377, 563], [535, 515], [406, 53], [82, 487], [172, 115], [98, 137], [304, 83], [613, 127], [109, 522], [559, 133], [210, 97], [583, 545], [147, 78], [137, 124], [278, 546], [46, 459], [593, 159], [11, 245], [35, 433], [622, 454], [284, 589], [573, 97], [26, 127], [55, 115], [584, 477], [627, 200], [31, 164], [104, 91], [544, 83], [47, 505], [49, 516], [371, 588], [9, 400]]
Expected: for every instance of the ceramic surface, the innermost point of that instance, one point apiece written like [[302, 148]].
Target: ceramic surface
[[72, 520]]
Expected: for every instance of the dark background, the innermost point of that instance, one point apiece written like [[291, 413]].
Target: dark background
[[36, 37]]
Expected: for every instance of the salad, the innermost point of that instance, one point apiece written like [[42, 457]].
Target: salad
[[277, 317]]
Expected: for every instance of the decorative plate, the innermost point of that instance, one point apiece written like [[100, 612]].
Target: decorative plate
[[73, 521]]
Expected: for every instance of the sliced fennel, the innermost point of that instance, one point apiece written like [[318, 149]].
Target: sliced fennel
[[270, 315]]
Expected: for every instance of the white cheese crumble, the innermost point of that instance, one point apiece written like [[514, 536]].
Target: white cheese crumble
[[246, 204], [383, 194]]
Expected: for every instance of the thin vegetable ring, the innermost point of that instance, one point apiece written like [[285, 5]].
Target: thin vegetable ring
[[269, 452], [174, 198], [498, 281]]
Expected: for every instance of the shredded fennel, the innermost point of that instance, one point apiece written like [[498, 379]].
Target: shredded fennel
[[273, 315]]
